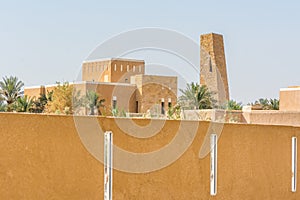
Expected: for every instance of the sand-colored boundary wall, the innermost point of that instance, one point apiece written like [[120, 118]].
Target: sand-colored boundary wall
[[42, 157], [270, 117], [273, 117]]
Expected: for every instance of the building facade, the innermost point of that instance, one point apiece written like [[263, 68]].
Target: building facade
[[113, 70], [123, 84], [290, 99]]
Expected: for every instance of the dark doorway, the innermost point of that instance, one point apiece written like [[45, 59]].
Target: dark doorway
[[137, 106], [162, 108]]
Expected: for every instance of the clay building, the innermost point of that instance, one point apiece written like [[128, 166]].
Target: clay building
[[290, 99], [123, 84]]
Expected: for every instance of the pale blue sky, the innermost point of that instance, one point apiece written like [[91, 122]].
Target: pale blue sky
[[42, 42]]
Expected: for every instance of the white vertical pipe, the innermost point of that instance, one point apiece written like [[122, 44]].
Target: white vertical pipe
[[213, 164], [294, 164], [108, 164]]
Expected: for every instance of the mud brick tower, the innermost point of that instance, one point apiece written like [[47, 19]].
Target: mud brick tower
[[213, 72]]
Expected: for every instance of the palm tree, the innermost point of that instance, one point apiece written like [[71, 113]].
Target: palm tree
[[41, 102], [188, 99], [78, 101], [205, 99], [263, 102], [174, 112], [267, 104], [24, 104], [2, 105], [93, 102], [100, 105], [196, 97], [274, 104], [10, 89], [233, 105]]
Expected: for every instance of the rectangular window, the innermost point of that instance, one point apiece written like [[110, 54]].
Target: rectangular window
[[162, 106], [114, 102], [169, 103], [133, 68], [294, 164], [115, 68], [213, 164], [128, 68], [108, 165], [121, 68], [210, 65]]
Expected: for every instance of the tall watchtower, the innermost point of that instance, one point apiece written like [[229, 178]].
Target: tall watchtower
[[213, 72]]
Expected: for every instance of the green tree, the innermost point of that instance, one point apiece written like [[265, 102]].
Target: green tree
[[78, 101], [205, 99], [117, 112], [61, 99], [233, 105], [189, 96], [274, 104], [24, 104], [10, 90], [196, 96], [40, 104], [174, 112], [94, 103], [264, 103], [267, 104]]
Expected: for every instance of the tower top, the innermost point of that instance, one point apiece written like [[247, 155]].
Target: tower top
[[212, 33]]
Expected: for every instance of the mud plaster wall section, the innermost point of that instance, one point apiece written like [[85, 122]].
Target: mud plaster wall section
[[42, 157]]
